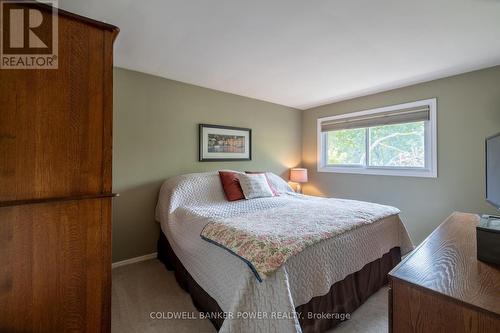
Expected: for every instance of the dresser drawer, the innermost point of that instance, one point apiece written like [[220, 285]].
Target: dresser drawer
[[414, 309]]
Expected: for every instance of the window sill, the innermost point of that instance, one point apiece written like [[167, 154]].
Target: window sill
[[425, 173]]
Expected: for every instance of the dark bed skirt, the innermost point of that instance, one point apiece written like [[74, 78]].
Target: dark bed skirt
[[343, 298]]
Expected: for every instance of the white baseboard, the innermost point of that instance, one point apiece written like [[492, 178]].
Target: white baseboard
[[134, 260]]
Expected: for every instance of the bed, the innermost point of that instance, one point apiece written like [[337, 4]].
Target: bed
[[312, 291]]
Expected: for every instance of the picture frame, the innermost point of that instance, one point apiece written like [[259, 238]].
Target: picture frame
[[224, 143]]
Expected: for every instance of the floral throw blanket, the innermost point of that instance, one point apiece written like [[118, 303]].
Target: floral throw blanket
[[266, 239]]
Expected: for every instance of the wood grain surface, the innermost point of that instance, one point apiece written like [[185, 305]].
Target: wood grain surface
[[55, 267], [415, 310], [447, 263], [56, 185], [55, 124], [442, 287]]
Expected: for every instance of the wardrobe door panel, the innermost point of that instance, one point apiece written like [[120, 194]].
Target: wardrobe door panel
[[55, 267], [52, 121]]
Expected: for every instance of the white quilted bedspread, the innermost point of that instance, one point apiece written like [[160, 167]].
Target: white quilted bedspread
[[188, 202]]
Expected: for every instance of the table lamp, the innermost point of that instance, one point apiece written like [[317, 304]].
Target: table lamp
[[298, 175]]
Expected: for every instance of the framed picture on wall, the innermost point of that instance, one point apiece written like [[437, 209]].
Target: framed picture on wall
[[224, 143]]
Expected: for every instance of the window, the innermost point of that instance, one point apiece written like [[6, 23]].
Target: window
[[398, 140]]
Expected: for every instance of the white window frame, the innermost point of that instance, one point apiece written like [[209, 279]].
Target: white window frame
[[430, 142]]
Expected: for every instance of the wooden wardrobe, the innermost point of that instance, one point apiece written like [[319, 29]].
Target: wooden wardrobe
[[55, 185]]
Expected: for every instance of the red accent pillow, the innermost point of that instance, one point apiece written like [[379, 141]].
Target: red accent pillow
[[231, 185], [275, 193]]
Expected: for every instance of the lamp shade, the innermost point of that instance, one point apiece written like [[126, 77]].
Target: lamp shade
[[298, 175]]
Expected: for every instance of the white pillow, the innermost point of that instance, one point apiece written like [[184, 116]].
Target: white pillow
[[278, 183], [255, 186]]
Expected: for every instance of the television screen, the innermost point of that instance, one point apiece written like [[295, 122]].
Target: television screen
[[493, 170]]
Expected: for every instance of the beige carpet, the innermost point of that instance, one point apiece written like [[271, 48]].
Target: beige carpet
[[146, 287]]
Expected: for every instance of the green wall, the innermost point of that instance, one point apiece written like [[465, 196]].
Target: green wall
[[156, 137], [468, 112]]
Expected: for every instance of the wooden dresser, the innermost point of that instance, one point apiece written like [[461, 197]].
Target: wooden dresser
[[55, 185], [442, 287]]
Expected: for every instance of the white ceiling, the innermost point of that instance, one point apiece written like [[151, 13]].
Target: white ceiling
[[301, 53]]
